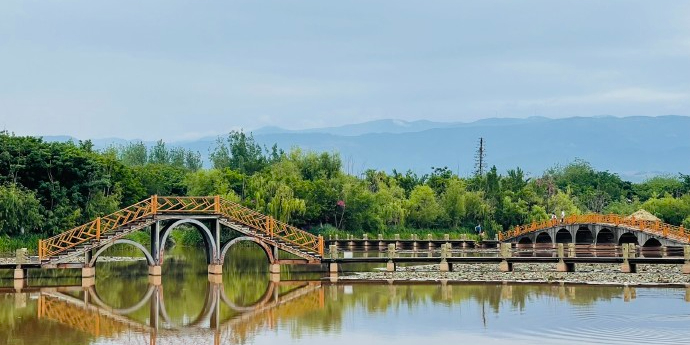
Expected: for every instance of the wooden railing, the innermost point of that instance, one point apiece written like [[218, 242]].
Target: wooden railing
[[674, 232], [146, 209]]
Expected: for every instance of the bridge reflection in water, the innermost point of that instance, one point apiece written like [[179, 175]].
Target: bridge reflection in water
[[301, 308], [90, 314]]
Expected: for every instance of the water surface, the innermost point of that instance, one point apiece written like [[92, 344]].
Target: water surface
[[247, 306]]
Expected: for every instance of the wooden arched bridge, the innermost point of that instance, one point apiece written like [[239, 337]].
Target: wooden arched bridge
[[598, 229], [209, 215]]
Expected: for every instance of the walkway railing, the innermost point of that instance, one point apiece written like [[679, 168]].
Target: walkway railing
[[674, 232], [155, 205]]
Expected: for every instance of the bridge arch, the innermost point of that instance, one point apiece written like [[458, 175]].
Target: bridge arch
[[525, 240], [210, 301], [627, 237], [211, 250], [605, 236], [263, 300], [137, 245], [584, 236], [96, 298], [543, 237], [652, 242], [564, 236], [261, 244]]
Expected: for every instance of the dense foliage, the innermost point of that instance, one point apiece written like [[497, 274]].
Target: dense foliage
[[47, 187]]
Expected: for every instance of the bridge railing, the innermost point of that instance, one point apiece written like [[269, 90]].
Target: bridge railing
[[272, 227], [211, 205], [678, 233], [94, 229]]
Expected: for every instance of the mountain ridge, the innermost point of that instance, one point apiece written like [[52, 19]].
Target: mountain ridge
[[635, 147]]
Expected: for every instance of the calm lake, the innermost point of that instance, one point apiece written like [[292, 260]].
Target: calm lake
[[246, 307]]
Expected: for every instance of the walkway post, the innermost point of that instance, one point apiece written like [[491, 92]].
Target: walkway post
[[333, 252], [444, 266], [505, 266], [390, 265]]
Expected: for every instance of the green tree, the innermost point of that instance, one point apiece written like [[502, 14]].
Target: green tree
[[669, 209], [19, 211], [239, 152], [423, 209], [159, 154], [453, 201], [134, 154]]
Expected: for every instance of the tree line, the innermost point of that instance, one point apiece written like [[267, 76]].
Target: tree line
[[49, 187]]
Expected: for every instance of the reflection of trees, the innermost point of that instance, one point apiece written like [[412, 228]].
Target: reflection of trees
[[245, 282], [382, 298]]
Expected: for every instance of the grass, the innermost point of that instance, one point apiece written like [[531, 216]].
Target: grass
[[9, 244]]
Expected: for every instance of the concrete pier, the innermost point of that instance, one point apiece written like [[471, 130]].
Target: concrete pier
[[214, 269], [155, 271], [19, 273], [444, 266], [155, 280], [390, 266], [505, 266], [274, 268], [88, 272]]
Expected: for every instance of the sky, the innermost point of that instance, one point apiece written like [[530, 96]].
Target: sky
[[181, 70]]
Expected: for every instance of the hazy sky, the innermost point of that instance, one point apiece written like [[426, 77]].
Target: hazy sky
[[183, 69]]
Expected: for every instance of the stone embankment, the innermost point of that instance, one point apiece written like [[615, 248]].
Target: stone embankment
[[81, 259], [534, 273]]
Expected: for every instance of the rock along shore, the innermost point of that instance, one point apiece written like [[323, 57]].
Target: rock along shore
[[599, 274], [81, 259]]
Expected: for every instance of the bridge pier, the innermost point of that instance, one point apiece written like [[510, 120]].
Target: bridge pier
[[88, 272], [215, 278], [390, 266], [565, 267], [626, 266], [155, 270], [215, 269], [88, 282], [505, 266], [333, 267], [155, 280], [274, 278], [274, 268], [444, 266], [19, 273]]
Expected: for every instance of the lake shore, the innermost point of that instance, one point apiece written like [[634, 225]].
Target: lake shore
[[595, 274]]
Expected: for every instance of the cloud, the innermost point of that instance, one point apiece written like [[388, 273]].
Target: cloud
[[622, 95]]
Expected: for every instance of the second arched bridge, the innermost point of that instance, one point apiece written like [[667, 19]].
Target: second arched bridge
[[598, 229]]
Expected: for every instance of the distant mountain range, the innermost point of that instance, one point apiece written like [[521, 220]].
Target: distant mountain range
[[634, 147]]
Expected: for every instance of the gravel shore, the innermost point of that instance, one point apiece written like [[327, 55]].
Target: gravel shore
[[534, 273]]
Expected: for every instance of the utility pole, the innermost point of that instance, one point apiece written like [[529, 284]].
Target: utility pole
[[479, 159]]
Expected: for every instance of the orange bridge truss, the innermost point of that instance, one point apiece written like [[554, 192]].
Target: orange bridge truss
[[148, 209]]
